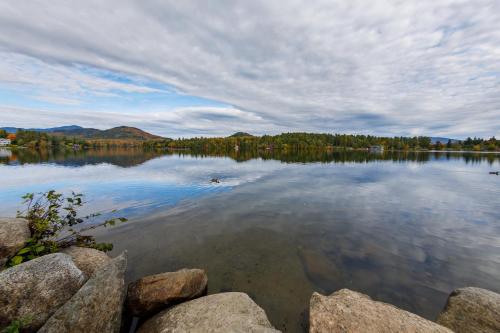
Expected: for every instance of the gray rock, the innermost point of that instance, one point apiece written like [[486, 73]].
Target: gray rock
[[36, 289], [348, 311], [97, 306], [225, 312], [156, 292], [14, 233], [472, 310], [86, 259]]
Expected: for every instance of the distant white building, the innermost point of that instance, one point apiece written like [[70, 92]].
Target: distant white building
[[377, 148], [4, 142]]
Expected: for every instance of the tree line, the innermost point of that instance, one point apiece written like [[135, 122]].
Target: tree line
[[301, 141], [284, 141], [43, 140]]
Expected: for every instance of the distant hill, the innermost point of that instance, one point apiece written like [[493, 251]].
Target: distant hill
[[121, 132], [61, 128], [47, 130], [9, 129], [240, 134], [442, 140]]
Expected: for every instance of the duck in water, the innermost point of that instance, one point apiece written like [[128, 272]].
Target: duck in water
[[215, 180]]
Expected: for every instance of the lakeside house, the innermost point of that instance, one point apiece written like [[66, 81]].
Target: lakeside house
[[376, 148], [4, 142]]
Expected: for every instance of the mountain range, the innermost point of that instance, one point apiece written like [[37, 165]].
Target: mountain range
[[47, 130], [130, 133], [121, 132]]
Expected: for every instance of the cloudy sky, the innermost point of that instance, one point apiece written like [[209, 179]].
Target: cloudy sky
[[186, 68]]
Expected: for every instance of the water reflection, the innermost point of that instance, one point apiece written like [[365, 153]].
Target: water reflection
[[404, 233], [346, 156], [405, 228], [5, 154], [134, 190], [128, 157], [124, 157]]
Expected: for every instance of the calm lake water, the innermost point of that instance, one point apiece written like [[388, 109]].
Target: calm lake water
[[403, 228]]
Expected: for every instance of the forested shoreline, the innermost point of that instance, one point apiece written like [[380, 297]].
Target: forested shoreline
[[302, 141], [43, 140], [246, 142]]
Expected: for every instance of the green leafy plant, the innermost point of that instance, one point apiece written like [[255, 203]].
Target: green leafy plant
[[53, 221], [16, 326]]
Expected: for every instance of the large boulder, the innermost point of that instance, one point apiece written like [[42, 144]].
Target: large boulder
[[86, 259], [156, 292], [34, 290], [349, 311], [225, 312], [14, 233], [97, 306], [472, 310]]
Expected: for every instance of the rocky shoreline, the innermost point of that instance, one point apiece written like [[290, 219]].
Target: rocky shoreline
[[83, 290]]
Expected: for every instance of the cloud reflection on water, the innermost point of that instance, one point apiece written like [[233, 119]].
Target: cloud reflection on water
[[156, 183]]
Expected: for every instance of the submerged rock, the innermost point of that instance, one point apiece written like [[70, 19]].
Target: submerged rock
[[472, 310], [14, 233], [86, 259], [320, 270], [156, 292], [97, 306], [34, 290], [225, 312], [348, 311]]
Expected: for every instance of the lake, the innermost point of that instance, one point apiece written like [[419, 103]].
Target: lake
[[404, 228]]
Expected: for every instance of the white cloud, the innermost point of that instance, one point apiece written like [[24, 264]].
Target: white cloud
[[19, 70], [384, 67]]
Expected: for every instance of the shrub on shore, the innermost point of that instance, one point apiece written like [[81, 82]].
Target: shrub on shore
[[53, 221]]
